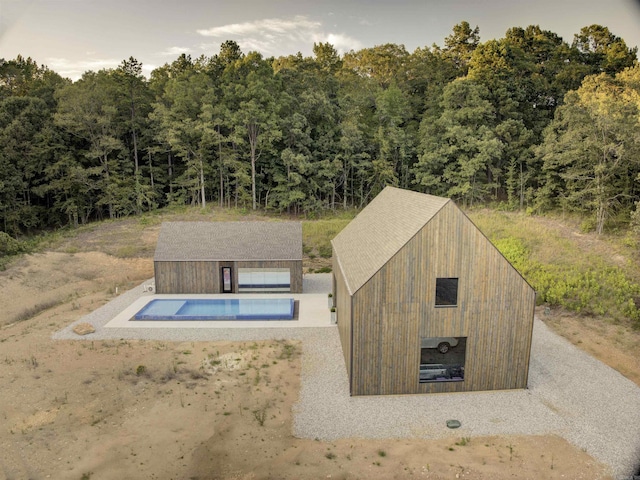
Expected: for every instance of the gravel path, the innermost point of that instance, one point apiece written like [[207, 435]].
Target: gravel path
[[570, 393]]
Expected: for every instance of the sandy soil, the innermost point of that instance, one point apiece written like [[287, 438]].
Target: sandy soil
[[158, 410], [615, 345]]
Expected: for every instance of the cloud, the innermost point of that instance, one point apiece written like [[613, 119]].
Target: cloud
[[75, 69], [278, 36], [175, 51], [342, 43], [274, 26], [147, 69]]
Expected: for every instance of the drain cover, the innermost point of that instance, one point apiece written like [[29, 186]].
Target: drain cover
[[453, 423]]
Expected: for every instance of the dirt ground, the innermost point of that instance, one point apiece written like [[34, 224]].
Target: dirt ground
[[207, 410]]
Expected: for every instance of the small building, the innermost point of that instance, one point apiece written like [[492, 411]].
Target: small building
[[229, 257], [425, 303]]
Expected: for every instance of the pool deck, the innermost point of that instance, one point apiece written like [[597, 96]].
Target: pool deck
[[313, 312]]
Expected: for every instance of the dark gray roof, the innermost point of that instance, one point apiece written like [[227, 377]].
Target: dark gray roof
[[380, 230], [180, 241]]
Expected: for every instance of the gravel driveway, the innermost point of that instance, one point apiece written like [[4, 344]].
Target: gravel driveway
[[570, 393]]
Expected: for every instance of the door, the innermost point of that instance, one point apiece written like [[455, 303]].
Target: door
[[227, 283]]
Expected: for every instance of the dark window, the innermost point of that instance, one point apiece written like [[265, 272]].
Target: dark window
[[446, 292], [442, 359]]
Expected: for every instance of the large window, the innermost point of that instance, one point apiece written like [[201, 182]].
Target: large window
[[442, 359], [446, 292], [264, 280]]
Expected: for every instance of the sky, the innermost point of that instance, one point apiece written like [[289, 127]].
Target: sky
[[73, 36]]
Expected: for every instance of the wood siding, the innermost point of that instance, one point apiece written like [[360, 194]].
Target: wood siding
[[342, 302], [396, 307], [204, 276], [187, 277]]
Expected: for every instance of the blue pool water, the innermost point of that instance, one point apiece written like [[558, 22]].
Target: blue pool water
[[218, 309]]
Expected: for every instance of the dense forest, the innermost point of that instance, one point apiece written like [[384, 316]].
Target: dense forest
[[528, 121]]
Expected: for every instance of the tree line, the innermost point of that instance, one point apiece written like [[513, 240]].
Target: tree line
[[527, 120]]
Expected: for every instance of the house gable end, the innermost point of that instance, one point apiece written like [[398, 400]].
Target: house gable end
[[395, 309]]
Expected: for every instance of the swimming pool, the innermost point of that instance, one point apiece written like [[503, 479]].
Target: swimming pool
[[218, 309]]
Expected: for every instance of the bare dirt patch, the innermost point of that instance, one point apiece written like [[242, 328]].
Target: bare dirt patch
[[614, 344], [43, 281]]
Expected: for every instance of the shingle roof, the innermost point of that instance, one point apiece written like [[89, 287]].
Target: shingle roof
[[180, 241], [380, 230]]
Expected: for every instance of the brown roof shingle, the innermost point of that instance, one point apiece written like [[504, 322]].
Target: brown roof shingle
[[380, 230], [182, 241]]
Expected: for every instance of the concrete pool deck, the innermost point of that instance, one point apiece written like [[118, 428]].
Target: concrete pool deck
[[313, 311]]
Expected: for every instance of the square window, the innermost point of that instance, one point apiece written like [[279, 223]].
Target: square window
[[442, 359], [446, 292]]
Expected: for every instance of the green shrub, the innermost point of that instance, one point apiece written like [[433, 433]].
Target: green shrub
[[317, 235], [635, 219], [10, 246], [588, 225]]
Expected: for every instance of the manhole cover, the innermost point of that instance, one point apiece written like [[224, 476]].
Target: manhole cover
[[453, 424]]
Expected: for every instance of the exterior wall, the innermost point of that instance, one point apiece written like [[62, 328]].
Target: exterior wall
[[187, 277], [204, 276], [396, 308], [342, 301]]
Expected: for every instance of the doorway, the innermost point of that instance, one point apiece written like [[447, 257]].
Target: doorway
[[226, 280]]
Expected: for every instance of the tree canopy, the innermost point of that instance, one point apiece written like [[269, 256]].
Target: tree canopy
[[527, 120]]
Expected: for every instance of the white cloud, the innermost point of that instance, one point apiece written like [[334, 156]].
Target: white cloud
[[147, 69], [175, 51], [276, 36], [342, 43], [275, 26], [75, 69]]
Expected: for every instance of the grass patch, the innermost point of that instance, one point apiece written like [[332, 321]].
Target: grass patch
[[130, 251], [38, 308], [260, 415], [317, 234], [288, 351]]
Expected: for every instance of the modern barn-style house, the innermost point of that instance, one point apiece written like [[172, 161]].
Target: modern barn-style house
[[425, 303], [229, 257]]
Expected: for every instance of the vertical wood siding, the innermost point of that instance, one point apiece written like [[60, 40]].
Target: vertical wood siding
[[187, 277], [204, 276], [396, 307], [342, 301]]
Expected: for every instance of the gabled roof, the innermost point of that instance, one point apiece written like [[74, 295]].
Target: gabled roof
[[182, 241], [380, 231]]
